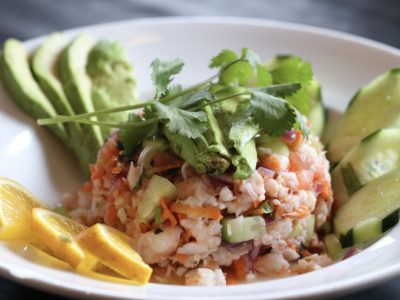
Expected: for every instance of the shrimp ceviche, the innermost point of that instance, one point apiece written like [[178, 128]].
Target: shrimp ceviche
[[219, 183]]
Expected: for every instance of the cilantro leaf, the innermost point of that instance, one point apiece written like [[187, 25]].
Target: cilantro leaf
[[223, 58], [132, 137], [273, 115], [252, 57], [237, 73], [176, 101], [293, 69], [264, 78], [186, 123], [163, 71], [300, 124], [301, 100], [278, 90], [198, 97], [242, 129]]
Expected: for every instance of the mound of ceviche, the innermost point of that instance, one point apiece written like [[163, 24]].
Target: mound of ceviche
[[218, 183]]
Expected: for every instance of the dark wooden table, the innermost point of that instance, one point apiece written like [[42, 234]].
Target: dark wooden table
[[377, 20]]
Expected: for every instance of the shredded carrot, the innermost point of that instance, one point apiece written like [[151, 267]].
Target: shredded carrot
[[326, 190], [167, 214], [87, 187], [305, 253], [116, 170], [300, 212], [96, 174], [254, 212], [270, 162], [292, 246], [207, 212], [182, 257], [186, 236], [144, 227], [239, 267], [111, 214], [230, 278]]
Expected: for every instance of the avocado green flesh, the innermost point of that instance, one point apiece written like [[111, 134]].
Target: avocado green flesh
[[376, 200], [45, 67], [22, 87], [77, 87], [241, 229], [113, 84], [158, 187], [374, 156], [375, 106]]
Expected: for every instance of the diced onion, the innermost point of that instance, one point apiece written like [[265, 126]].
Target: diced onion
[[265, 171]]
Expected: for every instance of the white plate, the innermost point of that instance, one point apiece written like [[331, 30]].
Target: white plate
[[342, 63]]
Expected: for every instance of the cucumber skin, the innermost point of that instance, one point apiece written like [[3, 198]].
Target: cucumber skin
[[246, 227], [379, 199], [378, 148], [371, 100], [158, 187]]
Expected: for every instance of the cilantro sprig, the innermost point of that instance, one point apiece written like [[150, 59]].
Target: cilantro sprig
[[267, 101]]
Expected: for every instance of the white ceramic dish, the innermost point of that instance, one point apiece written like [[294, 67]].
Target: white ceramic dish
[[342, 63]]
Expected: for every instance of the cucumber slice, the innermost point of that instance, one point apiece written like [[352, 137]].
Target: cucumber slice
[[333, 246], [269, 144], [241, 229], [375, 106], [310, 225], [372, 210], [374, 156], [158, 187]]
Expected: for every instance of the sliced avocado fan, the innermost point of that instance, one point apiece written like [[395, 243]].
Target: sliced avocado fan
[[77, 86], [45, 68], [113, 84], [22, 87]]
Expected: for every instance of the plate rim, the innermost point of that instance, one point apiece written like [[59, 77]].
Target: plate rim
[[371, 278]]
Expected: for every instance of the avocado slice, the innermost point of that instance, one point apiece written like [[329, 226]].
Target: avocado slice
[[113, 81], [22, 87], [77, 86], [45, 68]]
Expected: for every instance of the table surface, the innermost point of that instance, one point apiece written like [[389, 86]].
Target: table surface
[[377, 20]]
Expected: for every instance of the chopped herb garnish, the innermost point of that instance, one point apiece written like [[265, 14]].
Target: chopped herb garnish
[[266, 208], [157, 218], [120, 146], [62, 211], [212, 124], [66, 238], [158, 230]]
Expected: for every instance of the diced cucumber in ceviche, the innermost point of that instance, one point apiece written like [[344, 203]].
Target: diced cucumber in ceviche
[[241, 229]]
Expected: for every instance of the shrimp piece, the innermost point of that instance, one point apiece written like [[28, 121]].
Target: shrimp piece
[[156, 248], [205, 277]]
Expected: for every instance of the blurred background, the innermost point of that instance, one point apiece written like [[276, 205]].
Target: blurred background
[[373, 19]]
